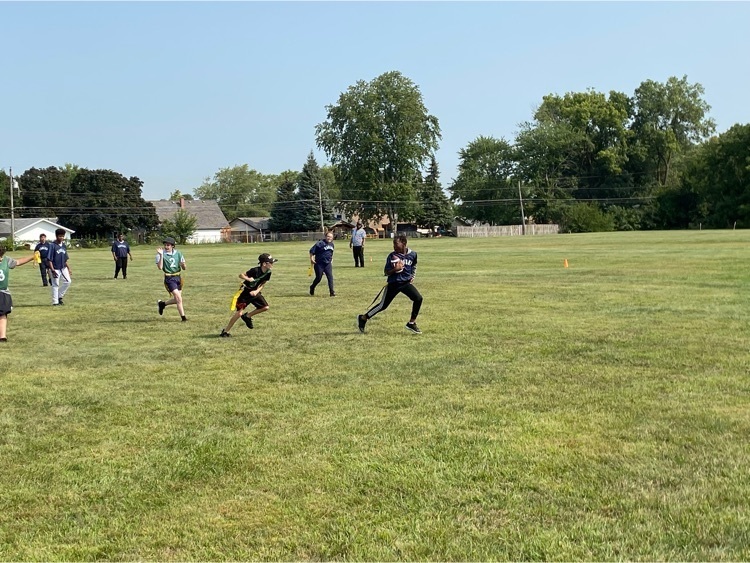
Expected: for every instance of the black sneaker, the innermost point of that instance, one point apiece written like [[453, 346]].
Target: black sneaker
[[361, 322], [184, 319], [312, 290], [60, 301], [3, 340], [333, 294], [413, 327], [248, 321], [161, 306], [224, 334]]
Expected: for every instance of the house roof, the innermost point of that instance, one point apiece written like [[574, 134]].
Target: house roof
[[259, 223], [24, 223], [207, 212]]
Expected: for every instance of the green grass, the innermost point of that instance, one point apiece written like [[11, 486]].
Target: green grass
[[598, 412]]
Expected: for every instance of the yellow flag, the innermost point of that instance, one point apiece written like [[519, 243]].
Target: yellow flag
[[37, 257], [236, 296], [309, 270]]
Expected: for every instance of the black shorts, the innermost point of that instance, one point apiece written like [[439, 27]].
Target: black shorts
[[246, 299], [6, 304]]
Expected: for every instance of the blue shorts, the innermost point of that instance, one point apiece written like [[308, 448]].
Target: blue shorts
[[172, 282]]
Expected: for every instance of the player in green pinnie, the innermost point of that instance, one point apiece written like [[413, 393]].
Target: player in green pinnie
[[249, 293]]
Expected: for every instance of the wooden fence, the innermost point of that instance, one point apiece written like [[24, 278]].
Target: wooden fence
[[506, 231]]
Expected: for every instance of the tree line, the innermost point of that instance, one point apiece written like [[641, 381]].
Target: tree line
[[588, 161]]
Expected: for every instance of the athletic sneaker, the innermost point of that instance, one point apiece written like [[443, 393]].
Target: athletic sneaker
[[224, 334], [413, 327], [60, 301], [333, 294], [184, 319], [3, 340], [312, 290], [161, 306], [361, 322], [248, 320]]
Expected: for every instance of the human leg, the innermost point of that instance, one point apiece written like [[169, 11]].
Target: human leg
[[43, 272], [318, 276], [118, 264], [328, 269], [124, 267]]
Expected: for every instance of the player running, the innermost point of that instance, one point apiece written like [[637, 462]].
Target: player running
[[171, 262], [400, 267], [255, 280]]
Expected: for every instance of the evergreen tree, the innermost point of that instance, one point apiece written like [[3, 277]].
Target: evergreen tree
[[284, 210], [436, 210], [310, 196]]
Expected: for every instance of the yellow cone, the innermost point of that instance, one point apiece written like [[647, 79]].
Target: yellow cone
[[565, 263]]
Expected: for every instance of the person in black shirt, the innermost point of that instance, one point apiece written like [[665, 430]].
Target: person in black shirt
[[249, 293]]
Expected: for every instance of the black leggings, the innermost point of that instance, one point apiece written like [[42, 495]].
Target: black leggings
[[122, 263], [390, 292]]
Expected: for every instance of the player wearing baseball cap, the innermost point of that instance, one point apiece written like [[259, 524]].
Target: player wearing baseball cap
[[254, 280]]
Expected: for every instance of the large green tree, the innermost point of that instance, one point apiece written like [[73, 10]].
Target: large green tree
[[715, 189], [240, 191], [46, 192], [669, 119], [486, 189], [379, 136], [103, 202]]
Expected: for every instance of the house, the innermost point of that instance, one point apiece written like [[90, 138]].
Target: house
[[212, 226], [29, 229], [250, 229]]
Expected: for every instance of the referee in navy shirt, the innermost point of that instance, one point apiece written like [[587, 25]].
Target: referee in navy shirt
[[120, 252]]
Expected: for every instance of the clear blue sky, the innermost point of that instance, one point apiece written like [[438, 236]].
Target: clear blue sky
[[173, 91]]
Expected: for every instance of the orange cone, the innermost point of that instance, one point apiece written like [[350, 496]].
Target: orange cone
[[565, 263]]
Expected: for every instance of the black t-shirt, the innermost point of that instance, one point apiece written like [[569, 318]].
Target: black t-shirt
[[258, 277]]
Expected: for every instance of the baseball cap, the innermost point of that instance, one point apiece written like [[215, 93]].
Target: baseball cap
[[266, 258], [169, 240]]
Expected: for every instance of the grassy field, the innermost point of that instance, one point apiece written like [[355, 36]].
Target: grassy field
[[596, 412]]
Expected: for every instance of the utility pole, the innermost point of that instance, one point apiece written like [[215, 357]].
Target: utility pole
[[12, 216], [320, 203], [523, 217]]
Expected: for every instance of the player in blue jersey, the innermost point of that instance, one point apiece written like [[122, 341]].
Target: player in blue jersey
[[43, 249], [400, 267], [120, 253], [321, 258], [57, 260]]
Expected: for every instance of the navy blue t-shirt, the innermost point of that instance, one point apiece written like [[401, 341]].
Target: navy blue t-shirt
[[323, 252], [58, 255], [409, 258], [42, 249], [120, 249]]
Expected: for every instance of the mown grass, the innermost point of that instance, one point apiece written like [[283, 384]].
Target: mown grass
[[598, 412]]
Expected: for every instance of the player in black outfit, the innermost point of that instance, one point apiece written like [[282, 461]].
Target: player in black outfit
[[249, 293]]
